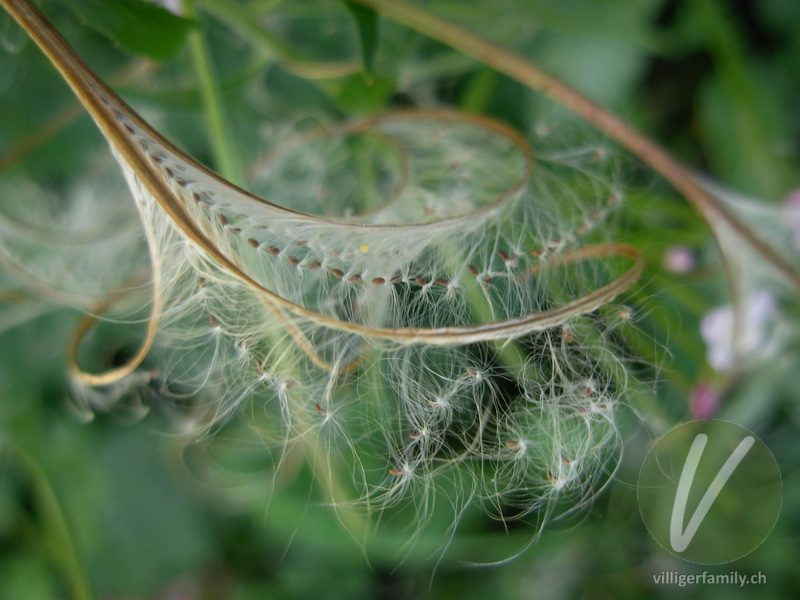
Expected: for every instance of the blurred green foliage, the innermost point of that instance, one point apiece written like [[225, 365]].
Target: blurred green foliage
[[113, 504], [137, 26]]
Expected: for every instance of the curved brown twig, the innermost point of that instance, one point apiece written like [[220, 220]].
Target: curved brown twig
[[112, 375], [109, 112], [365, 126], [530, 75]]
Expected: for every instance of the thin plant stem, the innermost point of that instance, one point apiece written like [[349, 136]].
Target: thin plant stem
[[225, 155], [231, 14], [67, 115], [55, 526]]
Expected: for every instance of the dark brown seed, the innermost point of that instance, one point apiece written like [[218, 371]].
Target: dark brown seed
[[314, 265], [319, 409], [169, 172], [338, 273], [273, 250], [213, 320], [379, 281], [415, 436], [354, 279], [201, 282], [396, 279], [420, 281], [223, 220], [502, 255], [551, 477], [293, 260], [473, 270], [234, 230], [196, 197], [442, 282], [290, 384], [253, 243], [512, 444], [536, 253], [260, 366], [395, 471]]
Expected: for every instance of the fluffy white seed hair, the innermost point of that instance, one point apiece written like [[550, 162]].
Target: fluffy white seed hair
[[430, 319]]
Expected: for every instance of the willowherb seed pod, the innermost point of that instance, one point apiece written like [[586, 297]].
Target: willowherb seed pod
[[347, 316]]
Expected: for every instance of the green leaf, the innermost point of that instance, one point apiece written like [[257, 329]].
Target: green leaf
[[136, 26], [367, 23], [362, 95]]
